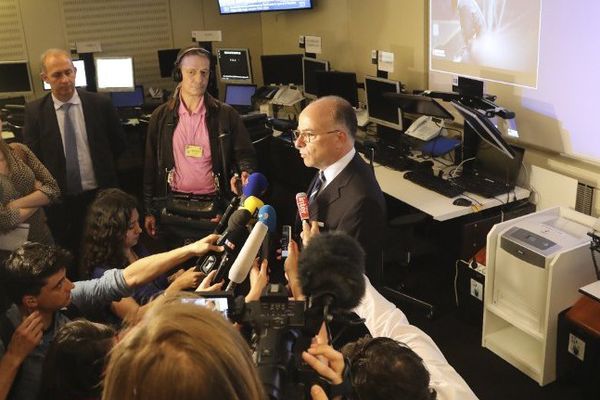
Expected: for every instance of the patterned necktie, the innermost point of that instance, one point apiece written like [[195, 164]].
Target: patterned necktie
[[73, 173], [318, 185]]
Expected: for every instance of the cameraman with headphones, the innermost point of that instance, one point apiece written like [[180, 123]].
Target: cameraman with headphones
[[193, 143]]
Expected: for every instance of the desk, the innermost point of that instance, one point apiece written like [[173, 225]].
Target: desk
[[432, 203]]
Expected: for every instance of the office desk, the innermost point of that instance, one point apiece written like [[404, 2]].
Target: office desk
[[432, 203]]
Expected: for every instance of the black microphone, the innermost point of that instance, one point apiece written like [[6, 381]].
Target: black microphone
[[233, 205], [331, 271], [233, 245]]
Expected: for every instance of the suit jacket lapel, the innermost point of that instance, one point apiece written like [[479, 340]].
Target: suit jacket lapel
[[333, 191]]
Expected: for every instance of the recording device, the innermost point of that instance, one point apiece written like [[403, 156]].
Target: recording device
[[220, 302], [252, 204], [243, 263], [286, 235], [233, 205], [271, 222], [302, 204]]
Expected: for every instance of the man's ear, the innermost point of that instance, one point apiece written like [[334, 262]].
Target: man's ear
[[30, 302]]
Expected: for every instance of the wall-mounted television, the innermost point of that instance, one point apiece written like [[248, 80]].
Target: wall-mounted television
[[251, 6]]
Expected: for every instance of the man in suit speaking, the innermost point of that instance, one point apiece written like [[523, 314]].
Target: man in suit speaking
[[344, 195], [77, 135]]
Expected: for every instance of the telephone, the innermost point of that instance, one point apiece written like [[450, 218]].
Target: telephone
[[287, 96], [424, 128]]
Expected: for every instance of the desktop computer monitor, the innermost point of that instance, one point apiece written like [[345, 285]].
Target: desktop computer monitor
[[282, 69], [114, 74], [128, 99], [418, 104], [166, 61], [80, 77], [381, 110], [240, 97], [310, 67], [342, 84], [14, 77], [234, 65]]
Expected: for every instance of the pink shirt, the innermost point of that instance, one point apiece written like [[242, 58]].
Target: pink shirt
[[191, 151]]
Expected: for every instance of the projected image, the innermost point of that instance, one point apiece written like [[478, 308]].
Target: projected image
[[497, 40]]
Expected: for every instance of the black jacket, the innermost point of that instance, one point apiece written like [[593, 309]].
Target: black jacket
[[221, 120]]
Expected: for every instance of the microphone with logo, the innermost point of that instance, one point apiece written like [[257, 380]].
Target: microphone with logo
[[302, 204], [243, 263]]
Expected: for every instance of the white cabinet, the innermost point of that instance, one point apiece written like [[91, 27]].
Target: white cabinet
[[536, 264]]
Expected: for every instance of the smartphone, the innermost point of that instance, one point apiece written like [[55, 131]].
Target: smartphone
[[216, 301], [286, 236]]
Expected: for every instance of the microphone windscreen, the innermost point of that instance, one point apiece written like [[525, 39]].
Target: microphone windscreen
[[239, 218], [333, 264], [252, 203], [302, 204], [268, 216], [256, 186], [243, 262]]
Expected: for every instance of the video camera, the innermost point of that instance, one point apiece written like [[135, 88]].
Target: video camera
[[278, 331]]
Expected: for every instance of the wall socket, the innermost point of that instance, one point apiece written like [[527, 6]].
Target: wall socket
[[476, 289], [576, 346]]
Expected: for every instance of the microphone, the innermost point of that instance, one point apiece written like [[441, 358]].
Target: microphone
[[302, 204], [252, 204], [233, 244], [271, 222], [331, 271], [242, 264], [256, 186], [233, 205], [238, 219]]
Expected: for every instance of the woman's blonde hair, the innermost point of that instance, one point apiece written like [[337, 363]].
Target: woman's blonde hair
[[182, 351]]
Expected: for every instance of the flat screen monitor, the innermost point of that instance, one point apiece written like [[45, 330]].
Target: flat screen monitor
[[14, 77], [240, 96], [234, 65], [381, 110], [166, 61], [484, 128], [342, 84], [418, 104], [128, 99], [80, 77], [114, 74], [250, 6], [282, 69], [310, 67], [496, 164]]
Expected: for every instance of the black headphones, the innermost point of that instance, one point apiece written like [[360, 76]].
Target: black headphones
[[177, 77]]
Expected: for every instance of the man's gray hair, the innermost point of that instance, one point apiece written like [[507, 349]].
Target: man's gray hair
[[53, 52]]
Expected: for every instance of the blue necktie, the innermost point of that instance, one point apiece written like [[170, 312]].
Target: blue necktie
[[317, 187], [73, 173]]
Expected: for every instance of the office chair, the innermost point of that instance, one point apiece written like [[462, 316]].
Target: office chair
[[401, 250]]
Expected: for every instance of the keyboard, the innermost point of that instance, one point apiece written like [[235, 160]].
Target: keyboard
[[482, 185], [394, 157], [426, 179]]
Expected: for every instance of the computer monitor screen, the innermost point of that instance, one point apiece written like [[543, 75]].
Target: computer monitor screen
[[484, 128], [239, 95], [381, 110], [310, 67], [80, 77], [234, 65], [418, 104], [282, 69], [166, 61], [14, 77], [342, 84], [114, 74], [496, 164], [249, 6], [128, 99]]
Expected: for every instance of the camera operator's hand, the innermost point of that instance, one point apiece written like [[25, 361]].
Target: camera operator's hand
[[291, 271], [309, 231], [332, 368], [259, 278], [206, 244], [205, 285]]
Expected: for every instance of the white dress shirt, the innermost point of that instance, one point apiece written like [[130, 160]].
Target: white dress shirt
[[334, 169]]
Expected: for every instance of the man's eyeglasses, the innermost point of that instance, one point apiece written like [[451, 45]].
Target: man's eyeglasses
[[308, 136]]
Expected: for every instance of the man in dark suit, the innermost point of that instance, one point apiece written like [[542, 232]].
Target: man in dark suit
[[77, 135], [344, 195]]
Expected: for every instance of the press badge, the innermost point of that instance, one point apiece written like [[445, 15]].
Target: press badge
[[193, 151]]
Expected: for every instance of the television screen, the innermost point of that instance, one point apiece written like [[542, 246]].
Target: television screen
[[381, 110], [80, 77], [310, 67], [234, 65], [14, 77], [250, 6], [166, 61], [114, 74], [282, 69]]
